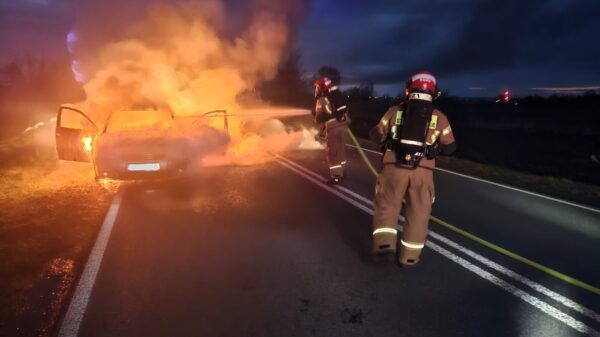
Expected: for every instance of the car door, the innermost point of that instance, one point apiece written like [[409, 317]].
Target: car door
[[75, 134]]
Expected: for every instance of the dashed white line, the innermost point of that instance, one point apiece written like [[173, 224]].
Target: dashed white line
[[536, 302], [591, 209], [77, 307]]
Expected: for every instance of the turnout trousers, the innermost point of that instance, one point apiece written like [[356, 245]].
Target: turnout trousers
[[416, 188], [335, 149]]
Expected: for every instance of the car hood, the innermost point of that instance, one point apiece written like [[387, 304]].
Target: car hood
[[145, 145]]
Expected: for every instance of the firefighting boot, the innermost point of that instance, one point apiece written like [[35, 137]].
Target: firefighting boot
[[384, 245], [409, 253]]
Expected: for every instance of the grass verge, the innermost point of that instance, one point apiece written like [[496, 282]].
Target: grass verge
[[50, 210], [561, 188]]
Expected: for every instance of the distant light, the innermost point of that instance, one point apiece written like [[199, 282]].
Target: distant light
[[506, 96]]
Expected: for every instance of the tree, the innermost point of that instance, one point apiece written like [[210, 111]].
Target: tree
[[366, 89], [288, 87], [332, 73]]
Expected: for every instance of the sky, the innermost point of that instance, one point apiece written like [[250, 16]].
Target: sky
[[476, 48]]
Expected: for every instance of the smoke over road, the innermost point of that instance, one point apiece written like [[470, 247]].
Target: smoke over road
[[192, 58]]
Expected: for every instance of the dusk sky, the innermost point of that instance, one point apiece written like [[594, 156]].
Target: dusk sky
[[475, 48]]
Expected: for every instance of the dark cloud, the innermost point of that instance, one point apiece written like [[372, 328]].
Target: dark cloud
[[491, 39], [485, 43], [32, 28], [491, 44], [39, 27]]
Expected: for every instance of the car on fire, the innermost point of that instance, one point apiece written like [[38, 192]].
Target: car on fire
[[134, 144]]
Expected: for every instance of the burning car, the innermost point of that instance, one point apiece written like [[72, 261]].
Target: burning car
[[131, 145]]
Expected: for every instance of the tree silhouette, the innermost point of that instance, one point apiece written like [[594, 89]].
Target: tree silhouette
[[366, 89], [332, 73], [288, 87]]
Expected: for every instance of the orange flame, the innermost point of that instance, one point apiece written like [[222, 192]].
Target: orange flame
[[182, 62], [87, 142]]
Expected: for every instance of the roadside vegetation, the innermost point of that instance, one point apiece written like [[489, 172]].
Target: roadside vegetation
[[51, 211], [547, 145], [562, 188]]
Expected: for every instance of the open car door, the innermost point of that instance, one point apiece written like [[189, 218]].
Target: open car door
[[75, 134]]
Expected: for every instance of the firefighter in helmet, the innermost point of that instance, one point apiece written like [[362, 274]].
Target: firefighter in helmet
[[331, 109], [413, 134]]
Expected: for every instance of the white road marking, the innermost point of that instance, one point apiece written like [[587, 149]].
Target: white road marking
[[536, 302], [508, 272], [339, 187], [320, 183], [77, 307], [534, 285], [518, 277], [591, 209]]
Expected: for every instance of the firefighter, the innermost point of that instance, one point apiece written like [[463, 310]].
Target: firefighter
[[331, 109], [412, 133]]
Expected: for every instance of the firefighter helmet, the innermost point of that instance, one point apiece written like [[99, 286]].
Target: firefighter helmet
[[421, 82], [322, 85]]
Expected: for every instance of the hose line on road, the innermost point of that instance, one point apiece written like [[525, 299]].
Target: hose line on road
[[518, 257], [362, 153], [486, 243]]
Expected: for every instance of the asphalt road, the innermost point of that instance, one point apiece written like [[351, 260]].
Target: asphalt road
[[270, 250]]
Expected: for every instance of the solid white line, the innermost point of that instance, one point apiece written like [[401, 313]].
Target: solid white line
[[543, 306], [518, 277], [508, 272], [322, 179], [319, 183], [591, 209], [534, 301], [72, 321]]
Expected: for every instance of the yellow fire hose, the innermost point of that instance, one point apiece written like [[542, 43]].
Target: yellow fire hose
[[362, 153], [486, 243]]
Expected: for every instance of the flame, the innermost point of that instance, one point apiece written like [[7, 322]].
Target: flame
[[176, 56], [87, 142], [109, 184]]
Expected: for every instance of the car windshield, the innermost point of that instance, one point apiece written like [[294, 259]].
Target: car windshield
[[149, 119]]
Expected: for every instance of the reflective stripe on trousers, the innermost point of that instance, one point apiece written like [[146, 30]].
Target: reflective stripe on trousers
[[385, 230], [335, 149], [416, 186]]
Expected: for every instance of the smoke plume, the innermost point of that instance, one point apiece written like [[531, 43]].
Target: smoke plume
[[190, 57]]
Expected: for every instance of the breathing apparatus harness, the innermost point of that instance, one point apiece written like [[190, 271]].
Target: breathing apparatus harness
[[333, 106], [408, 131]]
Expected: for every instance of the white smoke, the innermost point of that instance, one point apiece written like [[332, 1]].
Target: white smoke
[[191, 58]]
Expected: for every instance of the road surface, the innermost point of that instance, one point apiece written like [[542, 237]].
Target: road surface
[[270, 250]]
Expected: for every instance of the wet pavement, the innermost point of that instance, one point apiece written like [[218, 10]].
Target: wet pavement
[[266, 251]]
